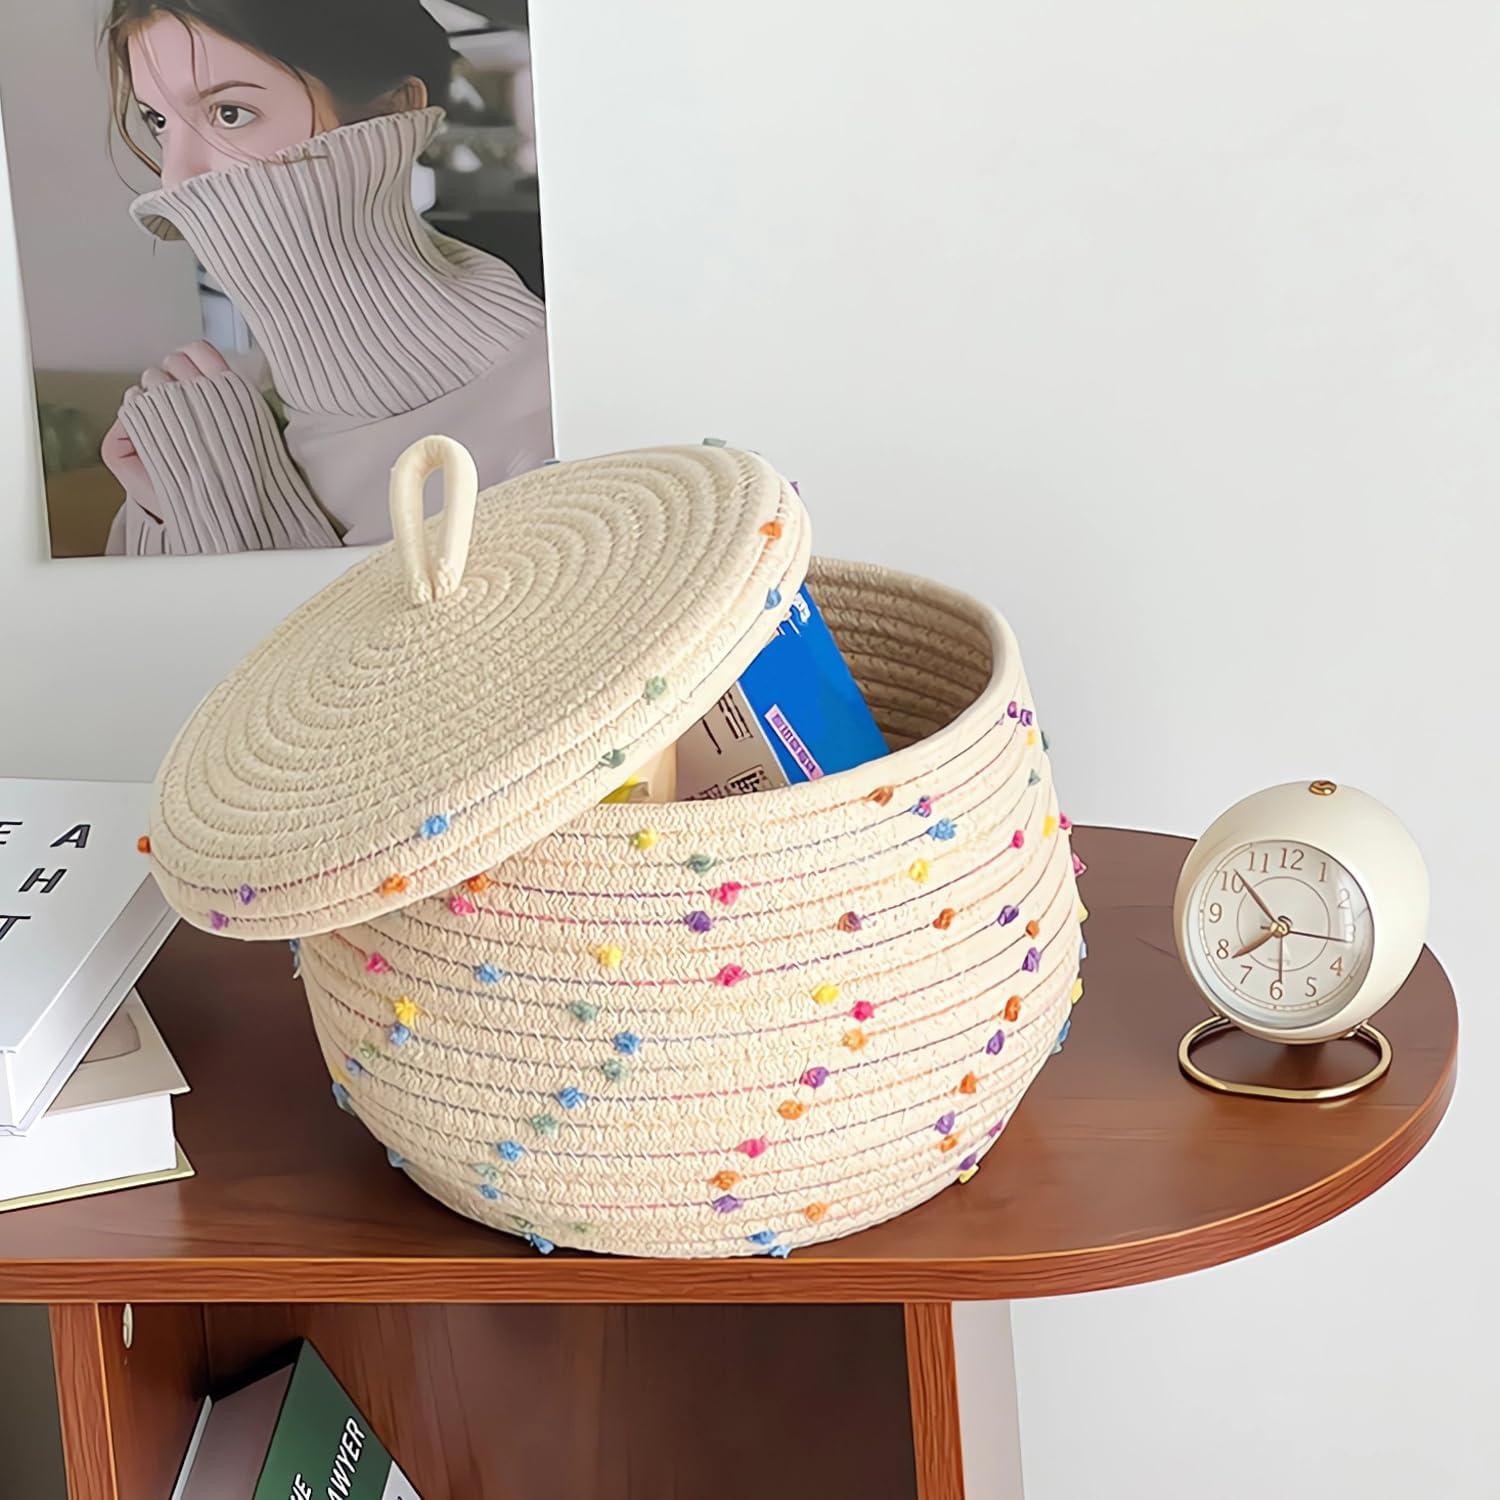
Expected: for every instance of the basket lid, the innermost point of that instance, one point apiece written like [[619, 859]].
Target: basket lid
[[474, 684]]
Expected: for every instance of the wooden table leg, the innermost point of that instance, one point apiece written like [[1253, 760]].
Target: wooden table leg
[[933, 1379], [126, 1411], [83, 1401]]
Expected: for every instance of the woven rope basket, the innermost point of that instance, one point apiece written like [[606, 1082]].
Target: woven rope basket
[[735, 1027]]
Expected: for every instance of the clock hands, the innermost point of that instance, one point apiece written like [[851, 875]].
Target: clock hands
[[1266, 934], [1255, 897]]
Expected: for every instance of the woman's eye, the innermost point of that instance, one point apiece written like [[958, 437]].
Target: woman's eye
[[233, 116], [155, 122]]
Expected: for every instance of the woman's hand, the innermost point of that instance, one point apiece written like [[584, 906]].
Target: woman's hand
[[191, 362]]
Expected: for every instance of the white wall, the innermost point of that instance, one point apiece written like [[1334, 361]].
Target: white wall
[[1171, 328]]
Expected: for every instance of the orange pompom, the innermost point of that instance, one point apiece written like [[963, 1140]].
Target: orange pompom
[[143, 844], [724, 1180], [393, 885]]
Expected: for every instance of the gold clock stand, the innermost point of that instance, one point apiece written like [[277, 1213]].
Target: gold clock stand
[[1217, 1024]]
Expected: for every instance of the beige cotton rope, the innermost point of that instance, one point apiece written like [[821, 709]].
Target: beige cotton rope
[[710, 1028], [432, 711], [740, 1026]]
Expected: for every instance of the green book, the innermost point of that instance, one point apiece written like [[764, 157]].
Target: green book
[[291, 1435]]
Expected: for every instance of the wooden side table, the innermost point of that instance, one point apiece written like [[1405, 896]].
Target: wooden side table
[[494, 1373]]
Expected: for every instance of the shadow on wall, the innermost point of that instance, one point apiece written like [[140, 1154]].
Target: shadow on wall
[[30, 1441]]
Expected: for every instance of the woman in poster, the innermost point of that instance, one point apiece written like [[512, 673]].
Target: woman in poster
[[285, 133]]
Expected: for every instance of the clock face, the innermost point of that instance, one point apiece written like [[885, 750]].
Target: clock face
[[1281, 934]]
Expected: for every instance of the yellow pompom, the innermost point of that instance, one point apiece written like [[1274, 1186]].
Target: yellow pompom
[[965, 1176], [1031, 736], [610, 955], [406, 1010], [1077, 994], [645, 839], [1049, 826], [826, 994], [919, 870], [1083, 912]]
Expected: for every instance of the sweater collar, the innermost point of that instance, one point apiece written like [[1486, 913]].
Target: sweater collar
[[382, 151]]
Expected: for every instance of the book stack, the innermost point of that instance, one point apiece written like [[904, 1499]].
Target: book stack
[[293, 1434], [86, 1082]]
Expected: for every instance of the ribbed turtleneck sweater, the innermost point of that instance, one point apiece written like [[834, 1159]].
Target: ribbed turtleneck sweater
[[378, 330]]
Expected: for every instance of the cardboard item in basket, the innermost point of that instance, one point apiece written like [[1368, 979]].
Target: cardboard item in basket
[[291, 1435], [795, 714], [734, 1026], [80, 917], [110, 1125]]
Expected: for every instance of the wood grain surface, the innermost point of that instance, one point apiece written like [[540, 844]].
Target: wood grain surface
[[612, 1403], [1114, 1169], [932, 1379]]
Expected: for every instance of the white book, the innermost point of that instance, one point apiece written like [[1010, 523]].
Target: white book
[[80, 917], [112, 1120]]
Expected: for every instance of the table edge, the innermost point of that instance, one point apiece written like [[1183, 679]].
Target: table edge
[[823, 1279]]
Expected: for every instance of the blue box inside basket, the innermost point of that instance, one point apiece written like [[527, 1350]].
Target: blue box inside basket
[[794, 715]]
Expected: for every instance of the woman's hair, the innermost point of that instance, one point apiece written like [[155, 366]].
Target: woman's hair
[[361, 51]]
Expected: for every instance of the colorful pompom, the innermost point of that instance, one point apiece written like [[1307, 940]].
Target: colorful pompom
[[862, 1010], [699, 921], [1032, 962], [644, 838], [730, 974], [610, 955], [825, 994], [435, 825], [728, 893], [488, 974], [944, 919], [755, 1146], [461, 906], [815, 1078]]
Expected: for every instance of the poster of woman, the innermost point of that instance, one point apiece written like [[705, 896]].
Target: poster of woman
[[265, 245]]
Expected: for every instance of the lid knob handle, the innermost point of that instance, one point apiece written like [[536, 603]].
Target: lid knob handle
[[430, 577]]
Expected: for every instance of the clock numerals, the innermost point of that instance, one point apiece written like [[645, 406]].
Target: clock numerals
[[1283, 934]]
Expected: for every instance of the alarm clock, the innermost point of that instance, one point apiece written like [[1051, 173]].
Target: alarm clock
[[1298, 914]]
